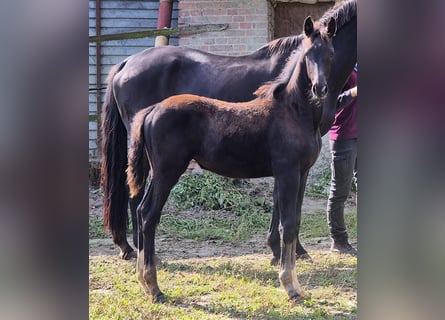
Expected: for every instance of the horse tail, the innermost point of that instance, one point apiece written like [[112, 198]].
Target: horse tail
[[136, 161], [113, 163]]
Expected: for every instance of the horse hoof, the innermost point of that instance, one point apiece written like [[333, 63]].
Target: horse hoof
[[274, 261], [128, 255], [304, 256], [300, 298], [297, 299], [159, 298]]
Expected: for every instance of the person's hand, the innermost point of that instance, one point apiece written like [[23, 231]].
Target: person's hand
[[354, 91]]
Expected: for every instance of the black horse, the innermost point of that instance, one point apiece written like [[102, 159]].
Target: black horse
[[157, 73], [277, 134]]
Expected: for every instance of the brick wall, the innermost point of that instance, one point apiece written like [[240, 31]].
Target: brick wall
[[248, 25]]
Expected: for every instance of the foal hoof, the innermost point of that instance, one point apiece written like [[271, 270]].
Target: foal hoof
[[274, 261], [300, 298], [297, 299], [128, 255], [304, 256], [159, 298]]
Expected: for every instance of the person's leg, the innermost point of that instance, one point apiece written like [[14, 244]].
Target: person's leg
[[343, 161]]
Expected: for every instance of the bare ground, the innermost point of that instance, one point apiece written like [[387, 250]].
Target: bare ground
[[172, 249]]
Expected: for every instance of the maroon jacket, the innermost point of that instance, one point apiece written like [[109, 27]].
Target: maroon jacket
[[345, 123]]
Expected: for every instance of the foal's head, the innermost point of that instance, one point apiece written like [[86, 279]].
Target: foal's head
[[319, 54], [313, 57]]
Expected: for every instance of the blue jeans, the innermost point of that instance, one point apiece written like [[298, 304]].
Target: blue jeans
[[343, 170]]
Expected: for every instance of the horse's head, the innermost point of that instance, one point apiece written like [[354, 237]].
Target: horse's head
[[319, 54]]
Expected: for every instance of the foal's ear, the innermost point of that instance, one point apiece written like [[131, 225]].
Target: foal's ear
[[308, 26], [278, 89], [332, 27]]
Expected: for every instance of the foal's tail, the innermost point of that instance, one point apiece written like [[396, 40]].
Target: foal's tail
[[113, 163], [136, 171]]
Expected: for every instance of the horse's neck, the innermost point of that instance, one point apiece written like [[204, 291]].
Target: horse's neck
[[306, 106], [277, 58]]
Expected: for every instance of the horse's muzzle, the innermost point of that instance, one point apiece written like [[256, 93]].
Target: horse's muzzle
[[320, 91]]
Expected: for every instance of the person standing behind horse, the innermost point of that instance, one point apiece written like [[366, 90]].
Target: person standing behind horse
[[343, 148]]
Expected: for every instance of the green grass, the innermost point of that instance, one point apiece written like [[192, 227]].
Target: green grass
[[320, 187], [228, 209], [244, 287], [315, 225], [209, 191], [96, 228], [241, 287]]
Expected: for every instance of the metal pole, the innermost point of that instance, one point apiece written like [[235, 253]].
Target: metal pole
[[164, 20]]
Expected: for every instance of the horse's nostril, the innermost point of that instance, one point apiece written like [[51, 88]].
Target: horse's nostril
[[319, 91], [324, 90]]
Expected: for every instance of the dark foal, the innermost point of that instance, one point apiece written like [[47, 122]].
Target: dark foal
[[277, 134]]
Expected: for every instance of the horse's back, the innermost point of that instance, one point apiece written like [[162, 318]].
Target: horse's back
[[226, 138], [157, 73]]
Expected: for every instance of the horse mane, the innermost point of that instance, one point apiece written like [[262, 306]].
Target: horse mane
[[266, 91], [284, 44], [342, 11]]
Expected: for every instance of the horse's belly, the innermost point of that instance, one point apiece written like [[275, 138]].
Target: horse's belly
[[236, 167]]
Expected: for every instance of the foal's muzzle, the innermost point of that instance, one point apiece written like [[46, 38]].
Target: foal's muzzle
[[320, 90]]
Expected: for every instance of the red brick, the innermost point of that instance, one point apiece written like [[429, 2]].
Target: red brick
[[239, 18], [248, 25], [232, 12]]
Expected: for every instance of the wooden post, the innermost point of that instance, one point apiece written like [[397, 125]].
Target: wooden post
[[185, 30], [164, 21]]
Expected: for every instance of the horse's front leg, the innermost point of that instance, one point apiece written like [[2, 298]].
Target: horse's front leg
[[287, 193], [273, 236], [301, 252]]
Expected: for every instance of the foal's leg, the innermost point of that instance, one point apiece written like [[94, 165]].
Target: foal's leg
[[273, 237], [301, 252], [287, 191], [150, 209], [150, 212]]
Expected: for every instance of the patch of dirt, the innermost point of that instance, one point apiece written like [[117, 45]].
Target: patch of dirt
[[175, 248]]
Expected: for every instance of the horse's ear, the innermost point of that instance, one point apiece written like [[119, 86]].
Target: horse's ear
[[332, 27], [278, 89], [308, 26]]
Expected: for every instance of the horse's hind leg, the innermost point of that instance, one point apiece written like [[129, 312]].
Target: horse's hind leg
[[135, 201], [126, 251], [150, 212]]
